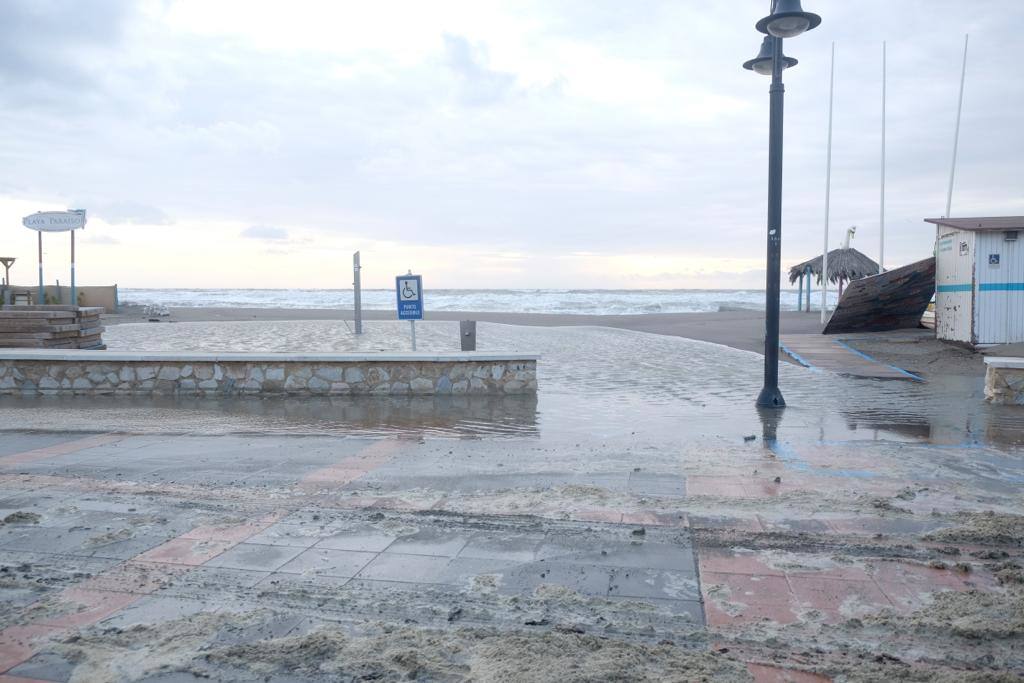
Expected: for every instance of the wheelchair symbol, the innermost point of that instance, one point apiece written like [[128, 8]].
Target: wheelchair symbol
[[407, 291]]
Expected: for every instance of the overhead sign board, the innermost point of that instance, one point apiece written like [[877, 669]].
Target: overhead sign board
[[55, 221], [409, 290]]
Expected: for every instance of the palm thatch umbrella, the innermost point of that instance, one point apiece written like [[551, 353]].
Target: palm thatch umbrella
[[843, 265]]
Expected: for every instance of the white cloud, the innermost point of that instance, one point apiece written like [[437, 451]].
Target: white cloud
[[428, 132]]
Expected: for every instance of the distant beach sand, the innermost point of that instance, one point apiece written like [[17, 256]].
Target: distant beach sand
[[739, 329]]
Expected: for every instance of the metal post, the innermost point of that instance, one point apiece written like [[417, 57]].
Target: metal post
[[412, 326], [807, 269], [881, 209], [42, 296], [74, 295], [770, 396], [828, 190], [357, 298], [800, 294], [956, 133]]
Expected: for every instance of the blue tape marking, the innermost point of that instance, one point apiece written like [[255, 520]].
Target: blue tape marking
[[875, 360], [1002, 287], [786, 454], [954, 288], [798, 358]]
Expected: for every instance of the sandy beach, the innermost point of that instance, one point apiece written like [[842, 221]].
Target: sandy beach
[[738, 329]]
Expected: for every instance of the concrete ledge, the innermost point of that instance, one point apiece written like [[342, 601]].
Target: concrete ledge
[[133, 357], [36, 371], [1004, 362], [1004, 380]]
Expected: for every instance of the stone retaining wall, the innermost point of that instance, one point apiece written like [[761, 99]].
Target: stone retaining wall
[[1004, 380], [84, 372]]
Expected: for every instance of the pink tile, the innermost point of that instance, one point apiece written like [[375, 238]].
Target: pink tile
[[722, 487], [596, 515], [837, 599], [649, 518], [84, 607], [232, 532], [185, 551], [750, 589], [134, 577], [736, 615], [59, 449], [19, 643], [734, 562]]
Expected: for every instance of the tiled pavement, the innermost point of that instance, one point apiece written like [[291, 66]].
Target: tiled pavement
[[137, 530]]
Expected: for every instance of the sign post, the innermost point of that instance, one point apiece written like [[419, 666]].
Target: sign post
[[357, 294], [409, 293], [56, 221]]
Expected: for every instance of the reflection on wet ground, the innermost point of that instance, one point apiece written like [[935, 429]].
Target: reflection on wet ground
[[595, 382]]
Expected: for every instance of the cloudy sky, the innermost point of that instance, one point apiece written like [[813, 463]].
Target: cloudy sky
[[576, 143]]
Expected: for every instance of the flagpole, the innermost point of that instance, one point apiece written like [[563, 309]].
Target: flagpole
[[881, 209], [828, 190], [956, 134]]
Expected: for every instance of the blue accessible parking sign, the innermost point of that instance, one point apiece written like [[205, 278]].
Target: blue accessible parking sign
[[409, 289]]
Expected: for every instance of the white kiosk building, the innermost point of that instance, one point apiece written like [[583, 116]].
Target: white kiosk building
[[979, 279]]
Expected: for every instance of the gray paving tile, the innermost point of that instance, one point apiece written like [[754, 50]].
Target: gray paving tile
[[654, 583], [430, 542], [256, 557], [463, 570], [156, 609], [201, 581], [295, 535], [586, 579], [367, 541], [653, 484], [330, 562], [45, 666], [612, 553], [503, 546], [306, 587], [404, 567], [687, 610]]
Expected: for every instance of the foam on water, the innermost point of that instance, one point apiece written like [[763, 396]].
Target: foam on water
[[563, 301]]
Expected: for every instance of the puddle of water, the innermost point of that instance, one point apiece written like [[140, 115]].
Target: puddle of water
[[595, 383]]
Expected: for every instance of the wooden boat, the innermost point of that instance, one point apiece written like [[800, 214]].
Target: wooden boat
[[893, 300]]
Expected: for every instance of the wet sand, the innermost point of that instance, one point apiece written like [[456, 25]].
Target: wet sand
[[738, 329]]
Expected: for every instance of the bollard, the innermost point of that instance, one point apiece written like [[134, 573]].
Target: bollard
[[467, 334]]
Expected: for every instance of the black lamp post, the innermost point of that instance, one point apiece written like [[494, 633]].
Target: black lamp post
[[787, 20]]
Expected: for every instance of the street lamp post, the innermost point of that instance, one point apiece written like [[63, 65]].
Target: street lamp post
[[787, 20]]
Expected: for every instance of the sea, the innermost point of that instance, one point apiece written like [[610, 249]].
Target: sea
[[562, 301]]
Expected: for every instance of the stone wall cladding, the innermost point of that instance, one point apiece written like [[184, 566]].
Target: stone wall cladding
[[1004, 385], [293, 378]]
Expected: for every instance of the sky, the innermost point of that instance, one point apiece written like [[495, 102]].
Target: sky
[[555, 143]]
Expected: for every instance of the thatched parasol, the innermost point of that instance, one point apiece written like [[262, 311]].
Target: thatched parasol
[[843, 264]]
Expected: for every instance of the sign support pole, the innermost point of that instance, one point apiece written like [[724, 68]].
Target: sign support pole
[[41, 295], [412, 326], [357, 294], [74, 295]]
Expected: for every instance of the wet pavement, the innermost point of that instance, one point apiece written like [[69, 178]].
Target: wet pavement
[[639, 506]]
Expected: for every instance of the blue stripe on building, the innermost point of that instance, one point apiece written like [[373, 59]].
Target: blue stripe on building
[[1002, 287], [953, 288]]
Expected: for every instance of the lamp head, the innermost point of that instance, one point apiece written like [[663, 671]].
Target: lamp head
[[788, 20], [762, 63]]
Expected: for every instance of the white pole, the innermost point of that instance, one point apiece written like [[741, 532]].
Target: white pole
[[828, 190], [881, 209], [357, 293], [956, 134], [412, 326]]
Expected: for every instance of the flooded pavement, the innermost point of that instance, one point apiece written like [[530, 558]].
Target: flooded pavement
[[638, 520]]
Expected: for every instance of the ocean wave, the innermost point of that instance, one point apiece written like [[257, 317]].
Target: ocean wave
[[556, 301]]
